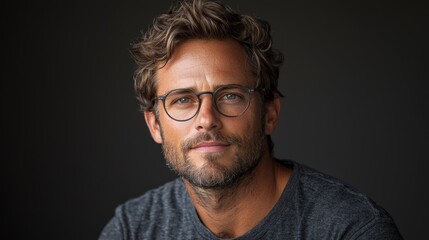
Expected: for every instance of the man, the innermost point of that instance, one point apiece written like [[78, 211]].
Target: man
[[207, 84]]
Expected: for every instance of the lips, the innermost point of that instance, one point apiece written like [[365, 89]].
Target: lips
[[210, 146]]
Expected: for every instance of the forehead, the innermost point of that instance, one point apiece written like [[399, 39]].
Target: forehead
[[204, 65]]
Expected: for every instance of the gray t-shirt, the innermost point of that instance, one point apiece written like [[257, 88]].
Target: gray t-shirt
[[312, 206]]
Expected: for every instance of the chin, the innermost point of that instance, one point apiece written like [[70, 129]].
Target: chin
[[217, 158], [209, 174]]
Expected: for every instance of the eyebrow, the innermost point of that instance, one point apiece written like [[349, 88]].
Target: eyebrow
[[216, 87]]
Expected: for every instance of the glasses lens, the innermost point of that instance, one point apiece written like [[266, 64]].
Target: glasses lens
[[232, 101], [181, 104]]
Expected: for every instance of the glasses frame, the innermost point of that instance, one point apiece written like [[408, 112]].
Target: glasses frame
[[249, 91]]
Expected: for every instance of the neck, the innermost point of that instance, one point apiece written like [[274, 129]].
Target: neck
[[232, 211]]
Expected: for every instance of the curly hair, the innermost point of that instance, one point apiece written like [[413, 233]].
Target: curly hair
[[203, 19]]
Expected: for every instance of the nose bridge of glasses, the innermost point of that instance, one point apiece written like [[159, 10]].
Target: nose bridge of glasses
[[199, 95]]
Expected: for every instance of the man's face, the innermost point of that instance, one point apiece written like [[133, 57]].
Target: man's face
[[209, 150]]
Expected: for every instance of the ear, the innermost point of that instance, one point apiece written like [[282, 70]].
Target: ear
[[272, 115], [153, 125]]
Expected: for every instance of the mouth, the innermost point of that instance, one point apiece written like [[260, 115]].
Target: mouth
[[210, 146]]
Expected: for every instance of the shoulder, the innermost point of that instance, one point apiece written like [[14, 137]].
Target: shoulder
[[144, 214], [154, 202], [335, 196], [336, 207]]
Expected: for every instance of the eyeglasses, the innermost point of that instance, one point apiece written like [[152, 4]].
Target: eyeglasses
[[230, 101]]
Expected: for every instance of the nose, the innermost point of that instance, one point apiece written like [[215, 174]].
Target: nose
[[207, 118]]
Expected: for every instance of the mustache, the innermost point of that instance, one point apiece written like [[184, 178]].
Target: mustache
[[210, 136]]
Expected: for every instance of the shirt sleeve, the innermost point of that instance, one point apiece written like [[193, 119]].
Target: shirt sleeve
[[113, 230], [380, 230]]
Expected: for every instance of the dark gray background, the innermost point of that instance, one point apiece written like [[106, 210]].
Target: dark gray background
[[74, 145]]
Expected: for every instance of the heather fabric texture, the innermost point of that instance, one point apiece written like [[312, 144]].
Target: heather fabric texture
[[312, 206]]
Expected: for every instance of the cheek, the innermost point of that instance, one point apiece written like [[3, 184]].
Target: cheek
[[255, 118], [174, 132], [245, 125]]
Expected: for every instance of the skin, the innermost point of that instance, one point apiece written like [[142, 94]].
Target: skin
[[228, 210]]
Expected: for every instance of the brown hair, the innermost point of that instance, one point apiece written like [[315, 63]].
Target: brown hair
[[203, 19]]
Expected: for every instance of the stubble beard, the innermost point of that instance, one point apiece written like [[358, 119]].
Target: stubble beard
[[248, 151]]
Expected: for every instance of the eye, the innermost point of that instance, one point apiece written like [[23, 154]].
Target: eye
[[231, 97], [182, 100]]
